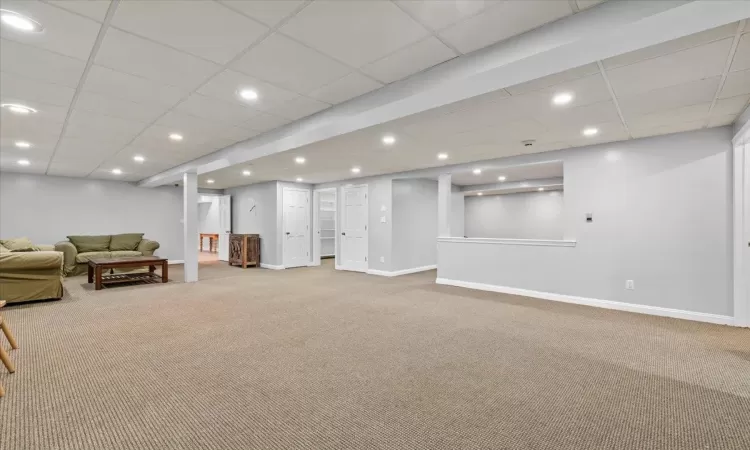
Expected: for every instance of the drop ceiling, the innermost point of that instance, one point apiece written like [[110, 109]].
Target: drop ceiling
[[111, 81]]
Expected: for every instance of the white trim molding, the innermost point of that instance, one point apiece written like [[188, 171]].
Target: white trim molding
[[272, 266], [396, 273], [175, 261], [608, 304], [536, 242]]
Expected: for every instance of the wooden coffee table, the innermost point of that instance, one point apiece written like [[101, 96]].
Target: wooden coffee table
[[96, 266]]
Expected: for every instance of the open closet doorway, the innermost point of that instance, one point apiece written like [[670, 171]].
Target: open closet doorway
[[325, 226]]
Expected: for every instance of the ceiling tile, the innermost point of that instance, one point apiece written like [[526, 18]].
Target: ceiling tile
[[352, 85], [440, 14], [737, 83], [93, 9], [730, 106], [85, 147], [581, 116], [64, 32], [41, 65], [741, 59], [355, 32], [119, 108], [215, 110], [669, 98], [503, 21], [299, 107], [45, 113], [205, 29], [78, 168], [41, 144], [23, 88], [688, 65], [270, 12], [94, 126], [554, 79], [227, 84], [290, 65], [409, 60], [670, 117], [265, 122], [26, 128], [585, 4], [131, 54], [193, 129], [668, 129], [676, 45], [586, 91], [720, 121], [112, 83]]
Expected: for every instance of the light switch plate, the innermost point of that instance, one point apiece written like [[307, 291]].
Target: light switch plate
[[382, 219], [383, 208]]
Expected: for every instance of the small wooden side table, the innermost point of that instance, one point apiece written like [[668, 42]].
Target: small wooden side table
[[244, 250]]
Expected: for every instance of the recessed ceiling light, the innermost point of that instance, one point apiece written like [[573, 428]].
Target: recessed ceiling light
[[356, 169], [442, 156], [246, 173], [299, 160], [299, 180], [524, 184], [19, 21], [540, 189], [117, 171], [138, 158], [22, 144], [249, 94], [23, 162], [389, 140], [476, 171], [480, 194], [175, 137], [18, 109], [563, 98], [210, 181], [501, 178], [590, 131]]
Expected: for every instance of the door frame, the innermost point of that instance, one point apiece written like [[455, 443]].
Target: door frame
[[317, 245], [283, 226], [340, 200], [741, 226], [227, 227]]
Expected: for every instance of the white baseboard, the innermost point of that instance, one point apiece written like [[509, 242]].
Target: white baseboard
[[395, 273], [175, 261], [608, 304], [271, 266]]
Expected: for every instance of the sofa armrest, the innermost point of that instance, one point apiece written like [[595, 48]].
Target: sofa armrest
[[147, 247], [44, 248], [69, 252], [31, 261]]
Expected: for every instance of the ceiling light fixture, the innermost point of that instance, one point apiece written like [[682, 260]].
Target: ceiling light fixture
[[175, 137], [23, 162], [540, 189], [356, 170], [210, 181], [590, 131], [19, 21], [299, 160], [249, 94], [246, 173], [501, 178], [138, 158], [563, 98], [22, 144], [389, 140], [480, 194], [117, 171], [477, 171], [442, 156], [299, 180], [18, 109]]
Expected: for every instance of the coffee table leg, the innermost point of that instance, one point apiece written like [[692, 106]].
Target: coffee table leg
[[98, 274], [164, 272], [91, 274], [151, 269]]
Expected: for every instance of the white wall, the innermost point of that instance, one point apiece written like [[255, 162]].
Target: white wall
[[526, 215], [208, 214], [415, 204], [661, 216], [258, 220], [457, 212], [47, 209]]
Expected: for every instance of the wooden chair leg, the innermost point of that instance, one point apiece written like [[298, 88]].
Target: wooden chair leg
[[2, 391], [8, 334], [6, 360]]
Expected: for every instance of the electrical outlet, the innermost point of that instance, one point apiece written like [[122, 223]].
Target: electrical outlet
[[630, 284], [382, 259]]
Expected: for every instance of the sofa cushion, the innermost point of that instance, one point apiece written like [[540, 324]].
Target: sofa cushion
[[84, 258], [4, 249], [128, 241], [86, 244], [121, 253], [22, 244]]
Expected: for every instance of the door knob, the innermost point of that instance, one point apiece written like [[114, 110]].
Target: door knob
[[343, 234], [288, 232]]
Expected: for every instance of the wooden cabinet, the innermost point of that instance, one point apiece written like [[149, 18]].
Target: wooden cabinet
[[244, 250]]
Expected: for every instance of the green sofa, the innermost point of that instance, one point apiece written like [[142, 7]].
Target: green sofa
[[29, 272], [78, 250]]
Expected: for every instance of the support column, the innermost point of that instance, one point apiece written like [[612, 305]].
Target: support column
[[190, 222], [444, 205]]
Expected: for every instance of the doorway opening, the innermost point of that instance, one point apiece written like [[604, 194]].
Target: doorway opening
[[214, 227], [325, 221]]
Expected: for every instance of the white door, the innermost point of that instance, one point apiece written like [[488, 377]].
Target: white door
[[316, 228], [296, 237], [225, 226], [354, 228]]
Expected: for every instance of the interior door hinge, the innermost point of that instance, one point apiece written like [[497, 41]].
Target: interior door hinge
[[365, 258]]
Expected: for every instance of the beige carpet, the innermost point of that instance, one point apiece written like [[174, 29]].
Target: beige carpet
[[314, 359]]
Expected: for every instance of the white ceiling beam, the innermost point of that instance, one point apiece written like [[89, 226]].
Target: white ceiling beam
[[607, 30]]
